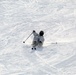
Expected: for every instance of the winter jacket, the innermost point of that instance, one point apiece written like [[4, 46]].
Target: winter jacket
[[38, 38]]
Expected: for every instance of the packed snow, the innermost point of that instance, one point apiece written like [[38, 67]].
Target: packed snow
[[57, 18]]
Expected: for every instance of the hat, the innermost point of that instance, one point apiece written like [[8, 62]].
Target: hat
[[41, 33]]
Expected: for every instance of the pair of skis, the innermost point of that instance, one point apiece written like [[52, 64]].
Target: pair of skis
[[33, 48]]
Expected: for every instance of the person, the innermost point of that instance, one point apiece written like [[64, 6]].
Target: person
[[38, 39]]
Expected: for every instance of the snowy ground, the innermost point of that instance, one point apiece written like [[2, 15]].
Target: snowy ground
[[58, 20]]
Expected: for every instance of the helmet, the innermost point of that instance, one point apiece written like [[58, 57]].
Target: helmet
[[41, 33]]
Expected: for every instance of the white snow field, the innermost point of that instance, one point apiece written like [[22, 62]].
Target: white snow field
[[57, 18]]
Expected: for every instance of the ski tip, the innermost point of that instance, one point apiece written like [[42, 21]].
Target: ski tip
[[33, 48]]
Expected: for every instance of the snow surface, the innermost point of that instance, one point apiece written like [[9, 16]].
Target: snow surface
[[58, 20]]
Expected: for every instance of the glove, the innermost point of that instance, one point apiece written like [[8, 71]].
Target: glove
[[33, 31], [40, 42]]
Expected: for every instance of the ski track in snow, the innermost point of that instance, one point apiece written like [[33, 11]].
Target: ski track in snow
[[17, 20]]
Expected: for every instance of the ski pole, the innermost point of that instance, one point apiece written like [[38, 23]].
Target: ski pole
[[27, 38]]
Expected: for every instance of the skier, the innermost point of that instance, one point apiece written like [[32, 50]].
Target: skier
[[38, 39]]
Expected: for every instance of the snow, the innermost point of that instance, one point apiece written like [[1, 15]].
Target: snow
[[18, 18]]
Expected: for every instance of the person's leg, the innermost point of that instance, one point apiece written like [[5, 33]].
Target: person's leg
[[40, 44], [34, 44]]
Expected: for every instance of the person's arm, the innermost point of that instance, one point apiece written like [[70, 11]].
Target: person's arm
[[41, 40], [34, 33]]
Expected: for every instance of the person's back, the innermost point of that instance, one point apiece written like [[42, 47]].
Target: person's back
[[38, 39]]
